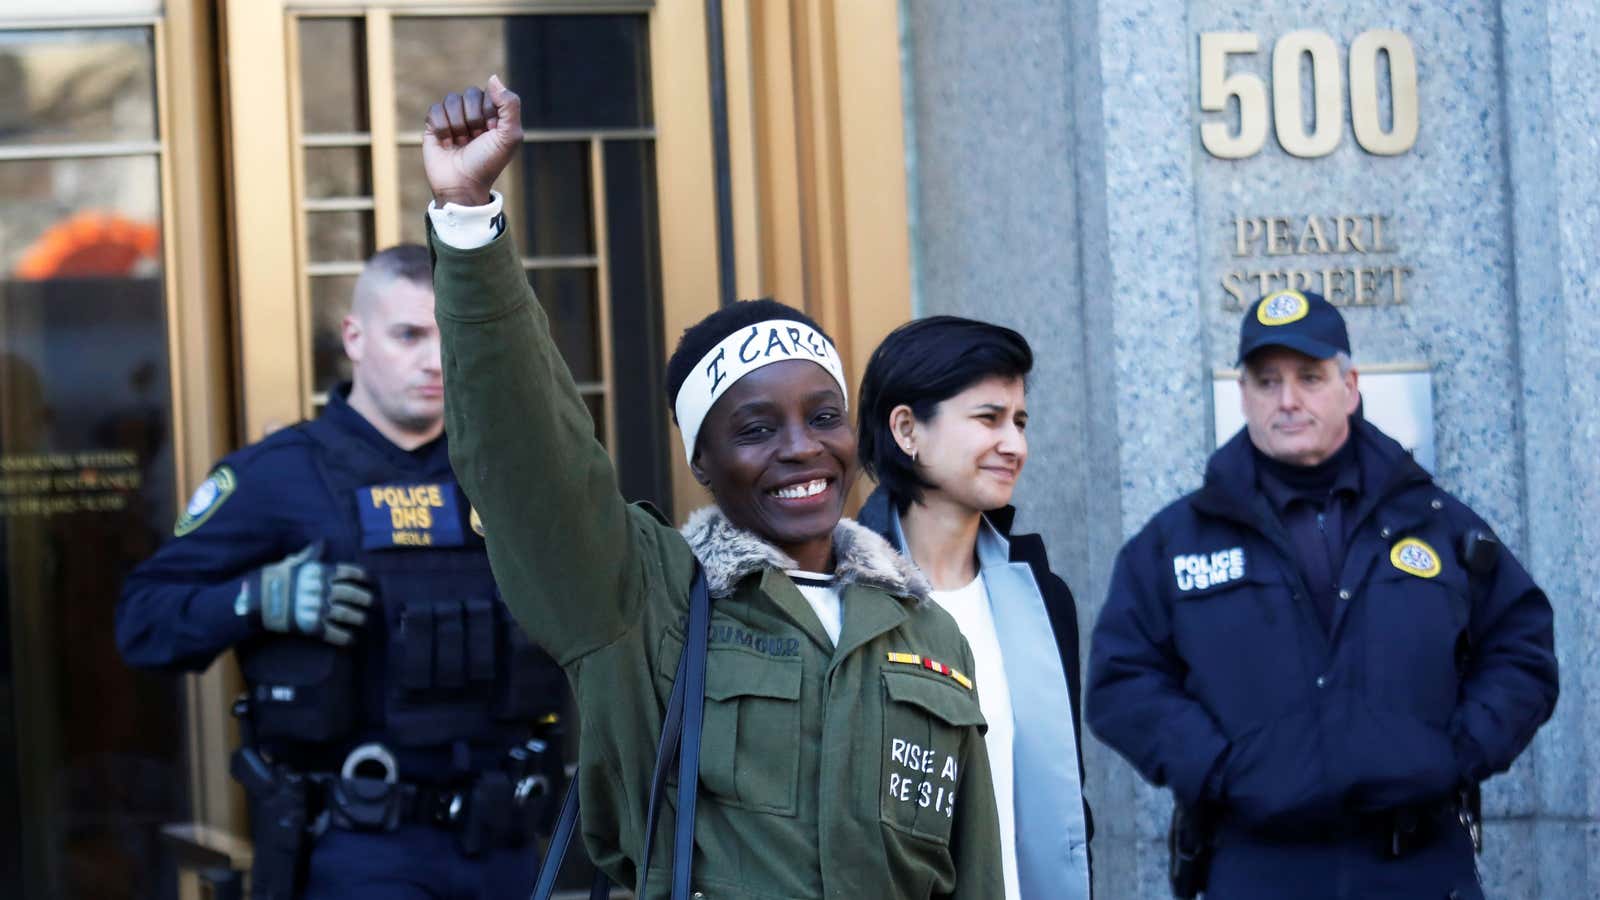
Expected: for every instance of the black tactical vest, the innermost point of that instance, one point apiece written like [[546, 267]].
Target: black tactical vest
[[440, 662]]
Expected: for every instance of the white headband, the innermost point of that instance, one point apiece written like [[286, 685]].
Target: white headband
[[743, 352]]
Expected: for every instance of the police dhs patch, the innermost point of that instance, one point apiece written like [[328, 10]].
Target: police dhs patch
[[1415, 557], [1282, 308], [208, 497]]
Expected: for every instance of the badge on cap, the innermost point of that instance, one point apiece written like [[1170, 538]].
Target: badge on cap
[[475, 522], [1282, 308], [1415, 557], [208, 497]]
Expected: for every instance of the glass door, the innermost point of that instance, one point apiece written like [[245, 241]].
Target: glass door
[[92, 754], [582, 197]]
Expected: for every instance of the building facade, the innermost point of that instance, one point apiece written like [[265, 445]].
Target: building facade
[[1114, 179]]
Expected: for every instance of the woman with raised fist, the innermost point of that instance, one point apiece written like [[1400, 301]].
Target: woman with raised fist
[[842, 753]]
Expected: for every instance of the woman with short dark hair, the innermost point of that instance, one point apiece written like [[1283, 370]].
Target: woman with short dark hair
[[941, 424], [841, 754]]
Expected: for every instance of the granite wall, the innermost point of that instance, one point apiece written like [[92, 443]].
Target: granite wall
[[1060, 185]]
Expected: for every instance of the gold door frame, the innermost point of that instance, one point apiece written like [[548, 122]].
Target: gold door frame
[[818, 168], [200, 347], [817, 139], [820, 213], [272, 298]]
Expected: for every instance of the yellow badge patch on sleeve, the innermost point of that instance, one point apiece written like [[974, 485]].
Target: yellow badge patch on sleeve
[[207, 499], [474, 521], [1415, 557], [1282, 308]]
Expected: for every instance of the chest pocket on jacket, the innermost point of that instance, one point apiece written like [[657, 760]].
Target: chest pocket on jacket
[[1415, 629], [749, 748], [925, 721]]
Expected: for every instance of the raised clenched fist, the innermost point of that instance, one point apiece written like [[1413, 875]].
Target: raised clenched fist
[[468, 140]]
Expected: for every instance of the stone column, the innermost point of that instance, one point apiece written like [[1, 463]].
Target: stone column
[[1018, 165], [995, 213], [1552, 101]]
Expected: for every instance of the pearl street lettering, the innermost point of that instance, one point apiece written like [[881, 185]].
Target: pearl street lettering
[[1362, 278], [1311, 235], [910, 786], [1198, 571]]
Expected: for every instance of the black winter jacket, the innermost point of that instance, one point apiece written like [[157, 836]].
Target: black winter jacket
[[1211, 672]]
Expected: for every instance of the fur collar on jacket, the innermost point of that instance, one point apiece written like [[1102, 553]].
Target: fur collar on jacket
[[728, 554]]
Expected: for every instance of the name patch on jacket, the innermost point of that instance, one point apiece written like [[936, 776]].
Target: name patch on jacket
[[409, 515], [1198, 571], [734, 636]]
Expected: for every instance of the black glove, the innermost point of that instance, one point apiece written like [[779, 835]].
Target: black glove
[[299, 594]]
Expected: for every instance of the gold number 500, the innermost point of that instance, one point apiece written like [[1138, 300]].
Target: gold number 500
[[1288, 119]]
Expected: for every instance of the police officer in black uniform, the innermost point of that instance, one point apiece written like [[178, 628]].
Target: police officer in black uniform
[[392, 739], [1321, 651]]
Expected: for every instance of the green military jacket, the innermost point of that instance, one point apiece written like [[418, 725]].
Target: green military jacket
[[847, 773]]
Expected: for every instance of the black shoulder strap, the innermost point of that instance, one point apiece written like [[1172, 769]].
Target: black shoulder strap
[[680, 741]]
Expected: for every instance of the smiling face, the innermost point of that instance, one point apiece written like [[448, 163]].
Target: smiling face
[[1297, 408], [779, 456], [972, 449], [393, 345]]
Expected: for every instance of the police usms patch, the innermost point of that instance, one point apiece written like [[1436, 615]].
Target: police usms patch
[[1415, 557], [210, 495], [1282, 308]]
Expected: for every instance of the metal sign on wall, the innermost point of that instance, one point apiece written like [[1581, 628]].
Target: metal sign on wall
[[1398, 398]]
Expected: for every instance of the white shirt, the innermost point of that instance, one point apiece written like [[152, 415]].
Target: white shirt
[[969, 606], [466, 227], [822, 592]]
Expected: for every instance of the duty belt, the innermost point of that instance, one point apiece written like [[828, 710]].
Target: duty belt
[[1393, 833], [496, 809]]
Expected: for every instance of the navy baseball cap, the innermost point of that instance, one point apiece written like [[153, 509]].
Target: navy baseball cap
[[1299, 320]]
